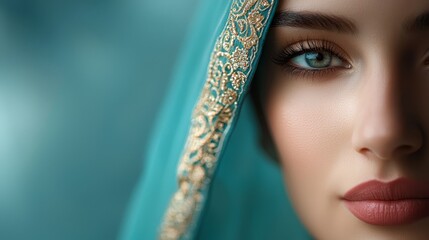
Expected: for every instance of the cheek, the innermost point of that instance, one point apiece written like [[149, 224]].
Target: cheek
[[310, 127], [305, 135]]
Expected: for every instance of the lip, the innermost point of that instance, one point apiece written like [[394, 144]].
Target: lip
[[398, 202]]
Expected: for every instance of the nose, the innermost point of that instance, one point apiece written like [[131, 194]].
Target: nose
[[385, 127]]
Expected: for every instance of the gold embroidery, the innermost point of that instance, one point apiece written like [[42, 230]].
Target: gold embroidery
[[228, 71]]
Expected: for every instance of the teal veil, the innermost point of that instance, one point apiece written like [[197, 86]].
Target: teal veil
[[206, 175]]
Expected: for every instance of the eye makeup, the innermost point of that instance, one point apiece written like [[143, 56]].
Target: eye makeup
[[287, 58]]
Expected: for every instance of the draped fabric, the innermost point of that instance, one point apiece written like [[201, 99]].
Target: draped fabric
[[206, 175]]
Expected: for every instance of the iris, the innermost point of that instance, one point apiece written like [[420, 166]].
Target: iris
[[318, 59]]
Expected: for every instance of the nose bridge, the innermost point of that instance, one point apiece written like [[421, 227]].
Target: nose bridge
[[384, 126], [382, 105]]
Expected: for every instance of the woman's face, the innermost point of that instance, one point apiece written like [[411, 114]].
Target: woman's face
[[347, 104]]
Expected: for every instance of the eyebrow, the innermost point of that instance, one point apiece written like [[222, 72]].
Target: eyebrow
[[319, 21], [421, 23], [313, 20]]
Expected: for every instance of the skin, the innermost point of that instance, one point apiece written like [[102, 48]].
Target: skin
[[336, 130]]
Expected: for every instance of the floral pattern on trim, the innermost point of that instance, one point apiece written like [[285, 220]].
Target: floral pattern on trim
[[228, 71]]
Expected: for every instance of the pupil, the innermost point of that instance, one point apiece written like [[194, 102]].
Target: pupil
[[318, 59]]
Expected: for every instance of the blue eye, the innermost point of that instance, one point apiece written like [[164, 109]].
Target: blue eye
[[314, 60]]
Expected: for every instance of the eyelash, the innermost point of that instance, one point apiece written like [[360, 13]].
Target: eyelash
[[287, 54]]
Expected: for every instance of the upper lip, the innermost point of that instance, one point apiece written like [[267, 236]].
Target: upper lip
[[399, 189]]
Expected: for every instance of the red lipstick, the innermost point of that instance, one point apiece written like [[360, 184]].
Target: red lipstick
[[401, 201]]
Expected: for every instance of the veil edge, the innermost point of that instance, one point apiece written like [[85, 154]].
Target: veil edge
[[230, 70]]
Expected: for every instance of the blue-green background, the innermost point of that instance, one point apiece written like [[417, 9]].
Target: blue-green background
[[80, 84]]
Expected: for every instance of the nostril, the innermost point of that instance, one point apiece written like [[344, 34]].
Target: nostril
[[371, 154], [405, 149]]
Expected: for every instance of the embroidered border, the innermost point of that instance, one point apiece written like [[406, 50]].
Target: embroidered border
[[229, 68]]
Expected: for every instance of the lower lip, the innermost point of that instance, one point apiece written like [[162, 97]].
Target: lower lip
[[396, 212]]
